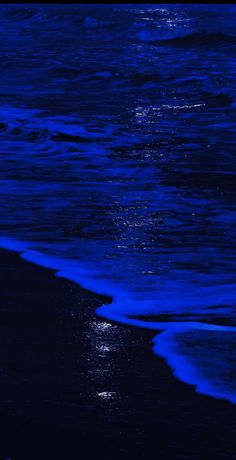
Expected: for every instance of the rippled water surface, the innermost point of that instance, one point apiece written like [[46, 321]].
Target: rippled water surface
[[117, 146]]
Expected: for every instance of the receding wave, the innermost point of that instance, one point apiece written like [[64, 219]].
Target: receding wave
[[208, 372], [117, 133]]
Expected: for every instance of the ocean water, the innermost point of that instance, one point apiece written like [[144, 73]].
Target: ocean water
[[117, 146]]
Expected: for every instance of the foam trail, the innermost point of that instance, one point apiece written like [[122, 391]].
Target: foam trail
[[165, 347], [115, 171], [183, 367], [170, 332]]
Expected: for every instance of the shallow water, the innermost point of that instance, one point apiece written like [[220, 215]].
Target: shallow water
[[117, 145]]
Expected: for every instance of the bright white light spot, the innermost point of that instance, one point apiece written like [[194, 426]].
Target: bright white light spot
[[102, 326], [107, 394], [103, 348]]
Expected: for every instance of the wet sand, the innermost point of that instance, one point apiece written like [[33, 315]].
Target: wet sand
[[74, 386]]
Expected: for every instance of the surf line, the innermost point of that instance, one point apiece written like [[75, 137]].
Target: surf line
[[164, 341]]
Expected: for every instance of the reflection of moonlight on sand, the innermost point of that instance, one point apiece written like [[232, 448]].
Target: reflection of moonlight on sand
[[118, 169]]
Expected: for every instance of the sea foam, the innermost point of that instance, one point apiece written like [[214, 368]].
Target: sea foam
[[194, 350]]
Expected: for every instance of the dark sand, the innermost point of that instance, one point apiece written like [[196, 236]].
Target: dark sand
[[56, 356]]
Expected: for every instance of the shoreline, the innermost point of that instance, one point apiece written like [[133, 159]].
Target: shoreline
[[72, 382]]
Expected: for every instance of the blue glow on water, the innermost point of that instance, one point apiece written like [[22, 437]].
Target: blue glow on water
[[117, 150]]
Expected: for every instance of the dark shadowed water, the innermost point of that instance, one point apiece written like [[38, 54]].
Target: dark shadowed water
[[117, 145]]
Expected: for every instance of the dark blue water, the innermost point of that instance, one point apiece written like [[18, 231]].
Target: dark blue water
[[117, 145]]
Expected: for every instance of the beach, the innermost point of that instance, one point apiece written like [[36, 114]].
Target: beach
[[74, 385], [117, 154]]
